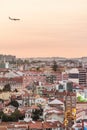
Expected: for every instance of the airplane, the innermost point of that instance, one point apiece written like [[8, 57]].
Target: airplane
[[15, 19]]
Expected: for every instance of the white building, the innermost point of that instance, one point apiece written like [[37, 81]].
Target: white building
[[74, 75]]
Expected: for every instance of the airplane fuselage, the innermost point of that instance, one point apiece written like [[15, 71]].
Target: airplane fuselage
[[13, 19]]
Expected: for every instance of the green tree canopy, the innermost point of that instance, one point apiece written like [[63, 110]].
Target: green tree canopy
[[14, 103], [7, 87], [15, 116]]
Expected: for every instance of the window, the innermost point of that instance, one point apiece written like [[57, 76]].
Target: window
[[73, 76], [60, 86]]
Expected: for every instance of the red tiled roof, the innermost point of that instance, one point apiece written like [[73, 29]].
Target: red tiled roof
[[15, 79], [34, 107], [40, 125], [3, 128], [32, 125]]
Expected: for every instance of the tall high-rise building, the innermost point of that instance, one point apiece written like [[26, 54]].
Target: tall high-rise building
[[83, 77], [78, 76], [8, 58], [74, 75]]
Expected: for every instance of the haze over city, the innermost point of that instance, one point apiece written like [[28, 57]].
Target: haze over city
[[46, 28]]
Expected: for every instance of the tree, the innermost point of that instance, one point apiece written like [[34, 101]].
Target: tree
[[38, 68], [37, 113], [1, 113], [15, 116], [14, 103], [4, 117], [7, 87], [55, 66], [15, 90], [41, 109]]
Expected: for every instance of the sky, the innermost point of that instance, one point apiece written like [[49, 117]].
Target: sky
[[48, 28]]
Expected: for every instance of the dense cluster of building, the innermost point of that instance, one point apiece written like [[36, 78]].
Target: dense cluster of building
[[35, 96]]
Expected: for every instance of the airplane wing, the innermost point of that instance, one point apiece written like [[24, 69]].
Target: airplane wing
[[16, 19]]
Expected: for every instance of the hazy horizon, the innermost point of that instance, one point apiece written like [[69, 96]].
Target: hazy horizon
[[43, 56], [48, 28]]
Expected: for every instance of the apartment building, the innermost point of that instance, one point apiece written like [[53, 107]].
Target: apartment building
[[78, 76]]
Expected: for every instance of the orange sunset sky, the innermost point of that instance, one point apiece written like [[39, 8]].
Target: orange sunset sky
[[47, 28]]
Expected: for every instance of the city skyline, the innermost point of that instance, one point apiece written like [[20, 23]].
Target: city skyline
[[49, 28]]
